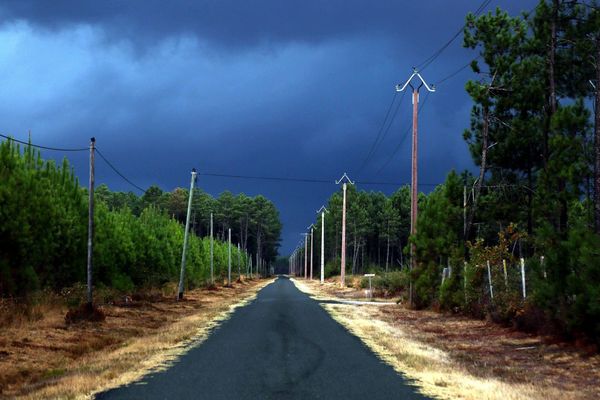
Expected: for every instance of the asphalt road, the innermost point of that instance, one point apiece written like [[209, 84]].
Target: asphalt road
[[282, 345]]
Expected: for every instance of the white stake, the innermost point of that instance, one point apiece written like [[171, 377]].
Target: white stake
[[543, 267], [523, 277], [505, 273]]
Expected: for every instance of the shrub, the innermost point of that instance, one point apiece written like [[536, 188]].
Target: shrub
[[388, 283], [332, 268]]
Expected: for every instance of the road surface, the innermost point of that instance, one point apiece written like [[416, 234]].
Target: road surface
[[282, 345]]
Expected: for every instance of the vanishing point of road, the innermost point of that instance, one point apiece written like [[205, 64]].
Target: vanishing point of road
[[282, 345]]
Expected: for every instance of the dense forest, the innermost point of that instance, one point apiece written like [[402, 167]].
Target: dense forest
[[138, 240], [534, 134]]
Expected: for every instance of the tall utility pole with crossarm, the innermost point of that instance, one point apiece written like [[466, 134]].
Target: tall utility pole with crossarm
[[344, 180], [312, 228], [305, 255], [185, 235], [322, 211], [90, 243], [414, 176]]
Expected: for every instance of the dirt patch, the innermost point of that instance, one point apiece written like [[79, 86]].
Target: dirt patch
[[49, 358], [451, 356]]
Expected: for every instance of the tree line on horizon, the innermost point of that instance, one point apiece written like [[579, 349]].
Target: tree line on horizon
[[254, 221]]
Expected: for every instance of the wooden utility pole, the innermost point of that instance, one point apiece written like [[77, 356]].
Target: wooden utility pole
[[485, 147], [299, 259], [257, 269], [311, 251], [90, 243], [212, 276], [229, 257], [343, 257], [239, 263], [414, 192], [185, 235], [387, 250], [247, 263], [465, 213], [305, 255], [322, 210], [296, 266], [344, 180]]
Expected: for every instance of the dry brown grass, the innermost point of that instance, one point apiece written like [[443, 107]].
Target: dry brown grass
[[352, 291], [455, 357], [43, 358]]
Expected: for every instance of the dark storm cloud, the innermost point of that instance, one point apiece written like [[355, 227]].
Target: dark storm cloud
[[247, 23]]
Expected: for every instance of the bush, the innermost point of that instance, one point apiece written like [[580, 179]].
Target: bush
[[332, 268], [388, 283], [452, 293]]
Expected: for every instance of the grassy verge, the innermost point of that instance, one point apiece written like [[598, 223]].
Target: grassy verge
[[453, 357], [46, 358]]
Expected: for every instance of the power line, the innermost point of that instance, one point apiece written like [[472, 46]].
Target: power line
[[303, 180], [425, 63], [381, 137], [389, 125], [43, 147], [267, 178], [253, 177], [395, 183], [459, 70], [374, 145], [74, 150], [117, 171], [404, 136]]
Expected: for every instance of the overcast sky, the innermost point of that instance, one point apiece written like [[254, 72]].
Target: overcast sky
[[268, 87]]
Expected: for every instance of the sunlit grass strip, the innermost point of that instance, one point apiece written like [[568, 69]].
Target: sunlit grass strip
[[432, 370]]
